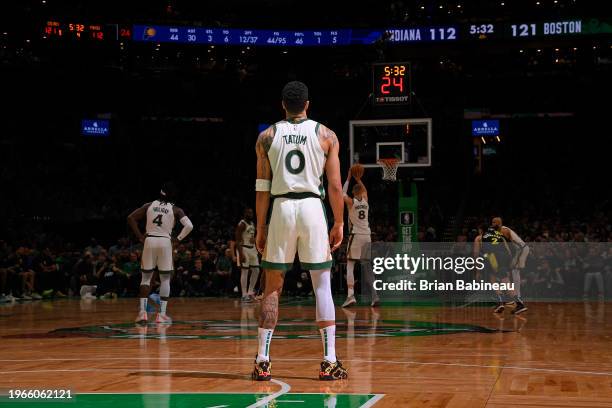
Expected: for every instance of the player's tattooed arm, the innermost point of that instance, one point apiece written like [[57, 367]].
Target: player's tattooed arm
[[264, 172], [265, 138], [264, 141], [334, 186], [328, 138], [136, 216]]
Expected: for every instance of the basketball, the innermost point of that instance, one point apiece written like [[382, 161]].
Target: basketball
[[357, 171]]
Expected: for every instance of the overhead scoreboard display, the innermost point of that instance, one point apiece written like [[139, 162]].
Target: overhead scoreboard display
[[555, 28], [234, 36], [391, 83], [81, 30]]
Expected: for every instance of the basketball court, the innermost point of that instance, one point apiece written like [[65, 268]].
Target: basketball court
[[405, 355]]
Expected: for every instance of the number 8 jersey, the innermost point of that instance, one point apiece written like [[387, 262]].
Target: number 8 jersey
[[297, 158], [160, 219], [358, 216]]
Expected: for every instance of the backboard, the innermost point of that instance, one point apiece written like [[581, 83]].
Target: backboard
[[408, 140]]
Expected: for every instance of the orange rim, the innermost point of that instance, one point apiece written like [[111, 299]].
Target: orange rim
[[389, 162]]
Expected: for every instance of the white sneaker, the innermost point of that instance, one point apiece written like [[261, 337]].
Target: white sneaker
[[142, 317], [89, 296], [165, 319], [36, 296], [375, 301], [26, 297], [350, 301]]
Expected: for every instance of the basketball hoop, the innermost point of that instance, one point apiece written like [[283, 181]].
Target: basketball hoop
[[389, 168]]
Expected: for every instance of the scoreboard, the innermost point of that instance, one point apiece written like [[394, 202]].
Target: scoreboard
[[471, 31], [81, 30], [394, 35]]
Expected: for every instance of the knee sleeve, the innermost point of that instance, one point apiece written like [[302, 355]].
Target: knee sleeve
[[350, 276], [146, 278], [164, 286], [321, 283]]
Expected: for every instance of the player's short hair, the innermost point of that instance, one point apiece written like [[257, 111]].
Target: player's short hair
[[168, 191], [295, 96]]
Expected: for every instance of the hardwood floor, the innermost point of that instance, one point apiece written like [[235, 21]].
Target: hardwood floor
[[557, 355]]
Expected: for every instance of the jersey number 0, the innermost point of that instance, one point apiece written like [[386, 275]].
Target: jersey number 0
[[301, 162]]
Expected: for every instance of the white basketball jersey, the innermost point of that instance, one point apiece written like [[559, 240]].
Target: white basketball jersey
[[297, 158], [358, 216], [248, 235], [160, 219]]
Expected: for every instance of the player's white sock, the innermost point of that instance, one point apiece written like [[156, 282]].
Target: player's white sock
[[163, 307], [254, 277], [328, 335], [244, 278], [143, 304], [264, 336], [351, 292]]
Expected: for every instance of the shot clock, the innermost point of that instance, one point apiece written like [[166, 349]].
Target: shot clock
[[391, 83]]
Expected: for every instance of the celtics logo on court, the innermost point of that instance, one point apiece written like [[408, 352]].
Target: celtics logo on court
[[236, 329]]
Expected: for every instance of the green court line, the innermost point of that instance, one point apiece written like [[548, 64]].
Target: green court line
[[189, 400]]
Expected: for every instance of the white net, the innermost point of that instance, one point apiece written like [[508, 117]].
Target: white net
[[389, 168]]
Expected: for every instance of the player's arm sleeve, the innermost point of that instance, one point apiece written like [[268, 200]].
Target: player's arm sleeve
[[187, 227]]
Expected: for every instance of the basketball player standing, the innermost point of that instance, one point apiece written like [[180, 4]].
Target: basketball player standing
[[520, 253], [157, 252], [292, 156], [359, 236], [246, 255]]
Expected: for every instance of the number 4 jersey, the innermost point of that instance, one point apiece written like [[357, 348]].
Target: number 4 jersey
[[160, 219], [297, 158]]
